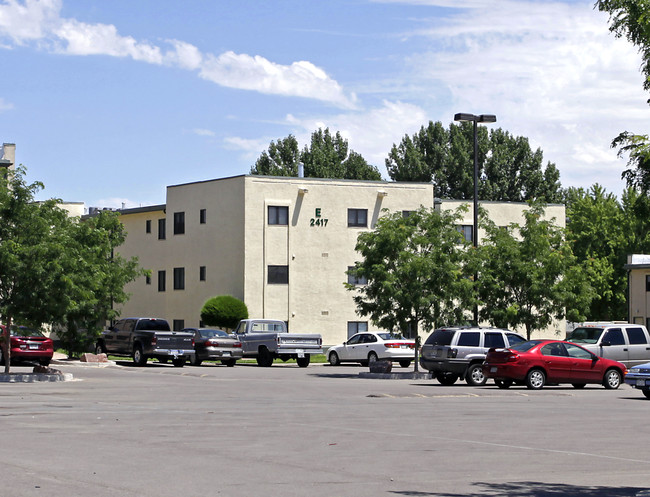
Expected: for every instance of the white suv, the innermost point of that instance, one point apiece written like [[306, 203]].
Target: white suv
[[626, 343], [459, 352]]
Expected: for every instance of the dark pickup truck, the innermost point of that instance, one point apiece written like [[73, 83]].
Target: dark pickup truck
[[142, 338]]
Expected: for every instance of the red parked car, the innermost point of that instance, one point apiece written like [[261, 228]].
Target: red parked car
[[27, 344], [539, 362]]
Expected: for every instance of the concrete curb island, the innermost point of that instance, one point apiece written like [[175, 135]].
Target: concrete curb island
[[49, 374]]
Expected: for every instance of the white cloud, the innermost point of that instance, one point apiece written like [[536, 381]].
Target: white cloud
[[39, 21], [203, 132], [5, 106]]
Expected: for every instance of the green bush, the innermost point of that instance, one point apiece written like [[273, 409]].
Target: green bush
[[223, 311]]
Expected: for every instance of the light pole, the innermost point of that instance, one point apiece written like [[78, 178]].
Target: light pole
[[483, 118]]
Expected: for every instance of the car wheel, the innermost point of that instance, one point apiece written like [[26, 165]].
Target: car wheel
[[646, 392], [229, 362], [446, 379], [303, 362], [178, 363], [535, 379], [194, 360], [264, 358], [612, 379], [139, 359], [578, 385], [99, 349], [333, 359], [44, 362], [475, 376], [503, 383], [405, 364], [372, 357]]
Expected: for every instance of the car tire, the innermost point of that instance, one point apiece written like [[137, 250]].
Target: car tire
[[139, 359], [474, 375], [405, 364], [446, 379], [229, 362], [264, 358], [99, 348], [503, 383], [578, 385], [194, 360], [372, 357], [646, 392], [535, 379], [179, 363], [612, 379], [303, 362], [333, 359]]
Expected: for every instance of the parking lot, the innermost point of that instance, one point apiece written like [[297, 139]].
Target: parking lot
[[317, 431]]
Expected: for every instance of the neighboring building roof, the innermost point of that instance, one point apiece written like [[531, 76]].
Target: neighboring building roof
[[637, 261]]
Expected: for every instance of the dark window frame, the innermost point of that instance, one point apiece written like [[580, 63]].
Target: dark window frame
[[179, 278], [354, 280], [356, 220], [278, 215], [162, 229], [277, 274], [203, 213], [162, 277], [147, 228], [179, 223]]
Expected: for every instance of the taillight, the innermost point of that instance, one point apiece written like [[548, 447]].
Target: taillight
[[154, 340], [392, 345], [212, 343], [512, 357], [237, 344]]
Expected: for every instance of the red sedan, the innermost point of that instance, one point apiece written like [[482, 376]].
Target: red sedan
[[27, 344], [539, 362]]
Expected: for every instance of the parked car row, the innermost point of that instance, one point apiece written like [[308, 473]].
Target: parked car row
[[27, 344]]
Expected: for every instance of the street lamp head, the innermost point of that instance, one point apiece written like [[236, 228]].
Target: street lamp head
[[464, 117], [483, 118], [487, 118]]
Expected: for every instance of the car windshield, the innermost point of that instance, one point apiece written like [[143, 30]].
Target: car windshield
[[24, 331], [525, 346], [213, 333], [586, 335], [440, 337]]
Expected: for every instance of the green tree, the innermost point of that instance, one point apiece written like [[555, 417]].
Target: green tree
[[631, 19], [95, 278], [416, 273], [327, 156], [508, 169], [223, 311], [528, 275]]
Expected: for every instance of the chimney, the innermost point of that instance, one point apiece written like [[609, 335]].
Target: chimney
[[8, 155]]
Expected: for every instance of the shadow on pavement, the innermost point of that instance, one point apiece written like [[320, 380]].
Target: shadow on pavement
[[536, 489]]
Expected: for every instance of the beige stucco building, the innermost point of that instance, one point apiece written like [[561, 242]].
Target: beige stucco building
[[282, 245], [638, 268]]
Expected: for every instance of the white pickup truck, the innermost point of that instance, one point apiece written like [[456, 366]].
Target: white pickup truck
[[268, 339]]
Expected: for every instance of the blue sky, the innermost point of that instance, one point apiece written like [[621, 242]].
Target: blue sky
[[109, 102]]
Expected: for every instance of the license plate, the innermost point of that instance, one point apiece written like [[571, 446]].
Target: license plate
[[404, 346], [640, 383], [493, 369], [226, 354], [174, 352], [301, 353], [33, 346]]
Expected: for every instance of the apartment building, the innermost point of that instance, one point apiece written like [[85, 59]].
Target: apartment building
[[282, 245]]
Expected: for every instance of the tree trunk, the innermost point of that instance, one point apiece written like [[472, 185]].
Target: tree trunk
[[6, 346]]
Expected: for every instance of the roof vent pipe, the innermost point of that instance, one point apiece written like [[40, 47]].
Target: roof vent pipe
[[301, 170]]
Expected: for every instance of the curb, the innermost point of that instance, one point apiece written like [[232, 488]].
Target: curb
[[33, 377], [396, 376]]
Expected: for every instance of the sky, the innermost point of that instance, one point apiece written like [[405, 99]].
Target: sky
[[110, 102]]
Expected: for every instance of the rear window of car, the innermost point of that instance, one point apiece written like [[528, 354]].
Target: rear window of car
[[153, 324], [636, 336], [525, 346], [24, 331], [495, 340], [212, 333], [440, 337]]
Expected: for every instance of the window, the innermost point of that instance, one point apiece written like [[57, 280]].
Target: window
[[554, 349], [355, 327], [147, 280], [179, 223], [406, 214], [161, 281], [356, 280], [178, 324], [636, 336], [469, 339], [202, 273], [614, 337], [162, 232], [466, 230], [577, 352], [647, 282], [358, 218], [202, 216], [148, 226], [278, 215], [278, 275], [179, 278], [494, 340]]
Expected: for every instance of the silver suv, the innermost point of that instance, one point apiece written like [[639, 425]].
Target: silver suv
[[626, 343], [459, 352]]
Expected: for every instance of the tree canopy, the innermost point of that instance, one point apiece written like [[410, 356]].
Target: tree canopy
[[509, 170], [327, 156], [224, 311]]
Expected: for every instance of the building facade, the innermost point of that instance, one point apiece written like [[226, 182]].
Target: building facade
[[282, 245], [638, 288]]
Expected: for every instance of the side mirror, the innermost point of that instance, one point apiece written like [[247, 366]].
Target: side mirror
[[605, 343]]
